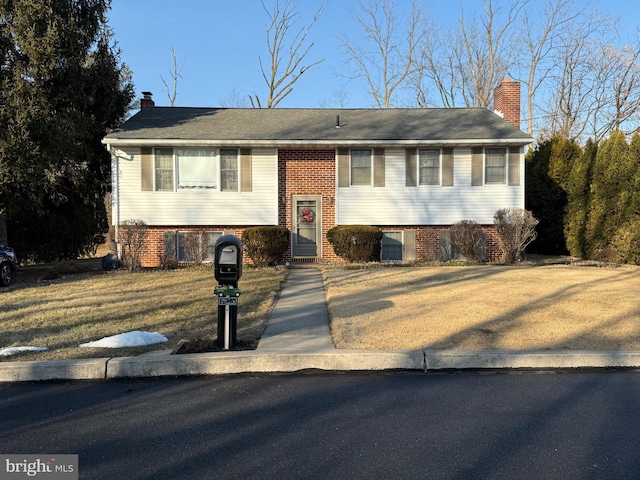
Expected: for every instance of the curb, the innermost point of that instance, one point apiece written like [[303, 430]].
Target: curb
[[158, 364]]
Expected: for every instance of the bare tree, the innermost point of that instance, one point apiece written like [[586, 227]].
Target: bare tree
[[465, 64], [540, 39], [283, 71], [440, 67], [575, 87], [172, 92], [234, 99], [617, 97], [389, 54], [489, 51]]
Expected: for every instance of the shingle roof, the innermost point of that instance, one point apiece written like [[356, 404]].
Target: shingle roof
[[296, 126]]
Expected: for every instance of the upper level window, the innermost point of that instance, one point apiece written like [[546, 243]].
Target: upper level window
[[228, 170], [361, 167], [495, 165], [429, 167], [164, 169], [196, 168]]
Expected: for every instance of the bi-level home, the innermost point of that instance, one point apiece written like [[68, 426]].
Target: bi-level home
[[411, 172]]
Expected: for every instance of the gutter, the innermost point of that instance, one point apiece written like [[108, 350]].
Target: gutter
[[168, 142]]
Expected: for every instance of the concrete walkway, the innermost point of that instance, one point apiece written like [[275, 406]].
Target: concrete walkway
[[297, 338], [300, 320]]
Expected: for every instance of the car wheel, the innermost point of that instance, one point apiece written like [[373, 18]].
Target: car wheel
[[5, 274]]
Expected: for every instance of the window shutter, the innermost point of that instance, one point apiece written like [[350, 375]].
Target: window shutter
[[411, 155], [378, 167], [146, 169], [514, 166], [343, 167], [447, 167], [245, 170], [476, 166], [409, 245], [170, 247]]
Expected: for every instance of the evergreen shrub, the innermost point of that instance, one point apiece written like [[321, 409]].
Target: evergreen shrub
[[265, 246], [356, 243]]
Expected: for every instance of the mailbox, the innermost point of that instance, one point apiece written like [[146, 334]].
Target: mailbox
[[228, 260]]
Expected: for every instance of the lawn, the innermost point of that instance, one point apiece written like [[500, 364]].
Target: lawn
[[62, 313], [382, 307], [485, 307]]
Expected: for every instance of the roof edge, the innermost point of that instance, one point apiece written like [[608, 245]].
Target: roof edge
[[166, 142]]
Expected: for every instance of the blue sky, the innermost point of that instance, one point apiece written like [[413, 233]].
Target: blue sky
[[218, 43]]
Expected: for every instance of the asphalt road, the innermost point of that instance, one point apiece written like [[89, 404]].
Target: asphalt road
[[533, 425]]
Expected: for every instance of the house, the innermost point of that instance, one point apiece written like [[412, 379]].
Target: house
[[411, 172]]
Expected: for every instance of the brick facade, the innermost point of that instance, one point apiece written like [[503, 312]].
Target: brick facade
[[308, 172], [312, 172]]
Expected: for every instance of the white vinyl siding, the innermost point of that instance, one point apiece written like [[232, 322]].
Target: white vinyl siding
[[195, 206], [397, 204]]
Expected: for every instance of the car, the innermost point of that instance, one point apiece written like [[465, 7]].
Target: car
[[8, 265]]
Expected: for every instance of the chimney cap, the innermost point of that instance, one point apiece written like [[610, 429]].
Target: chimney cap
[[147, 94]]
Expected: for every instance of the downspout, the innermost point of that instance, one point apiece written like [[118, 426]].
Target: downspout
[[115, 194]]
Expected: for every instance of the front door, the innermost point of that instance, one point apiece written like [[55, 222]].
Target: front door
[[306, 227]]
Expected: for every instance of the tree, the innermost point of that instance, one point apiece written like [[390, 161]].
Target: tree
[[388, 56], [548, 168], [540, 40], [172, 92], [63, 88], [488, 52], [577, 84], [578, 195], [278, 76], [612, 184]]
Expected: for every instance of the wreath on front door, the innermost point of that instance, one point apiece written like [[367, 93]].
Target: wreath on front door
[[306, 216]]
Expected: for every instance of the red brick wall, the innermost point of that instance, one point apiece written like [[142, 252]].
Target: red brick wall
[[308, 172], [153, 250], [428, 241], [506, 99]]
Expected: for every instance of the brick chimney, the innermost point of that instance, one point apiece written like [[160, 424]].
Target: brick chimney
[[146, 101], [506, 101]]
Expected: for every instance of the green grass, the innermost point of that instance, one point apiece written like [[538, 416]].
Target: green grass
[[62, 313]]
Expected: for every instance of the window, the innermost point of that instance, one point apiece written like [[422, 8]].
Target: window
[[495, 165], [228, 170], [197, 246], [391, 246], [196, 168], [360, 167], [164, 169], [429, 167]]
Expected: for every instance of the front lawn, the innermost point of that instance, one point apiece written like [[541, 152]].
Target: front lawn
[[485, 307], [62, 313]]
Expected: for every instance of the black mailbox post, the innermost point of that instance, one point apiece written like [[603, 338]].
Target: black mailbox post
[[227, 270]]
